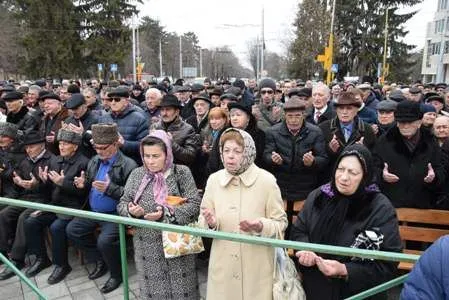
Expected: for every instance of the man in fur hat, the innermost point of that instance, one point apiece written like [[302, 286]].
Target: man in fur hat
[[105, 179]]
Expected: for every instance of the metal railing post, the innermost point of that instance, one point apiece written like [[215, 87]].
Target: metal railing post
[[122, 233], [22, 277]]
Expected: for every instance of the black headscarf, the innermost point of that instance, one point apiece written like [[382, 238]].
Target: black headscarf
[[334, 207]]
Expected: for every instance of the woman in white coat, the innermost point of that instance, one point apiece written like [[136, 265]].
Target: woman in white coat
[[241, 198]]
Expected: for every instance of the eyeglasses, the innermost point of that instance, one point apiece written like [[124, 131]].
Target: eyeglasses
[[266, 92], [96, 147], [115, 99]]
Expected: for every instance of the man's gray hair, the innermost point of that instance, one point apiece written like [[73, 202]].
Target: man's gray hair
[[323, 87], [153, 91], [35, 87]]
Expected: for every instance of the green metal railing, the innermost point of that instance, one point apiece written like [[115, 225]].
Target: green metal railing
[[123, 221]]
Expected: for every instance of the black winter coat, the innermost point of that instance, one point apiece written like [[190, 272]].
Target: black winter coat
[[67, 195], [9, 161], [295, 179], [25, 119], [41, 192], [377, 212], [193, 121], [410, 167], [186, 143], [329, 114], [118, 174]]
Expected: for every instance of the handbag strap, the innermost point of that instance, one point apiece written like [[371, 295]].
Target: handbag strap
[[279, 235]]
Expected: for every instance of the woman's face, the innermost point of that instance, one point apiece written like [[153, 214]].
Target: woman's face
[[217, 123], [239, 119], [154, 158], [232, 156], [348, 175]]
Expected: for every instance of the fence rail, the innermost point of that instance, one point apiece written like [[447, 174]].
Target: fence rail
[[122, 221]]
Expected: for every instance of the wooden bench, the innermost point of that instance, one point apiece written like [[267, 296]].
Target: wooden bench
[[420, 225]]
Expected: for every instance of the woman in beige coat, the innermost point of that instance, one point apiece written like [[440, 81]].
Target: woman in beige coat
[[241, 198]]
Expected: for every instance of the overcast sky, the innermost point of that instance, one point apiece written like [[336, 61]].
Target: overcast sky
[[234, 22]]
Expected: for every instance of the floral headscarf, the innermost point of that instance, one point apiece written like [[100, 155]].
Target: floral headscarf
[[160, 191], [249, 150]]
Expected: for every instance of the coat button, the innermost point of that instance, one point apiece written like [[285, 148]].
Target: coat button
[[143, 257]]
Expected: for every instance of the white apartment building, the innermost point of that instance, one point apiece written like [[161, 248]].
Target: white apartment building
[[435, 66]]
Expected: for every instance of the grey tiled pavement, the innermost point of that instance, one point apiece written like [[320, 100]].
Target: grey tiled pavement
[[77, 286]]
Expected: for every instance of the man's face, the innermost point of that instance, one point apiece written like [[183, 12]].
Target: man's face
[[366, 93], [215, 100], [5, 141], [90, 98], [63, 94], [346, 113], [169, 114], [78, 112], [201, 107], [437, 104], [33, 96], [429, 118], [415, 97], [105, 151], [252, 83], [319, 98], [267, 96], [67, 149], [118, 104], [52, 106], [34, 150], [409, 129], [294, 119], [336, 90], [152, 100], [182, 96], [95, 84], [441, 127], [385, 117], [14, 106]]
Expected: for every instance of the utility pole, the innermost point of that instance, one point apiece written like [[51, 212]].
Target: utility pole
[[331, 45], [257, 59], [262, 48], [133, 25], [384, 63], [180, 56], [161, 73]]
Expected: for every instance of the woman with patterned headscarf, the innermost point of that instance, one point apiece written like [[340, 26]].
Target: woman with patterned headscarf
[[146, 197], [241, 198], [350, 211]]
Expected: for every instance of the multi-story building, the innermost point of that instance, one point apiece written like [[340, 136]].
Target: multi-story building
[[435, 66]]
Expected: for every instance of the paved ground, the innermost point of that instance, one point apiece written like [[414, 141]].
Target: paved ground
[[77, 286]]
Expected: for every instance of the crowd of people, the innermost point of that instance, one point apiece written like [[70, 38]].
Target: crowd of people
[[233, 152]]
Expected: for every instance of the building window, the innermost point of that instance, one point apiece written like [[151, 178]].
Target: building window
[[429, 53], [446, 47]]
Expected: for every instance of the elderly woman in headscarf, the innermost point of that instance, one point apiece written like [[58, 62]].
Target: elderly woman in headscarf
[[145, 197], [241, 198], [350, 211]]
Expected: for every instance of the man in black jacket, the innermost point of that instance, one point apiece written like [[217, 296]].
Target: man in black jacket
[[26, 178], [105, 180], [409, 160], [19, 114], [59, 176], [295, 152]]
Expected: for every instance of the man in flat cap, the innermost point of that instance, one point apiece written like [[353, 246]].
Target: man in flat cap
[[369, 97], [131, 123], [19, 113], [59, 176], [80, 121], [409, 160], [186, 143], [55, 113], [11, 155], [385, 117], [322, 109], [105, 179], [31, 188], [295, 152], [415, 94]]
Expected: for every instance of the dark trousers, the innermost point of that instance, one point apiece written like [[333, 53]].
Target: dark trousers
[[106, 247], [35, 237], [12, 226]]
